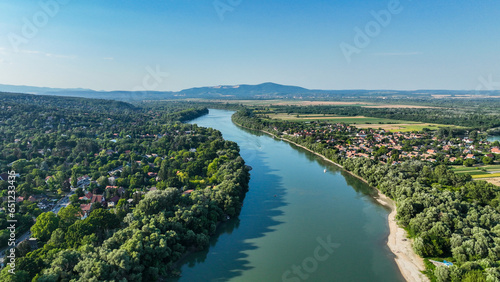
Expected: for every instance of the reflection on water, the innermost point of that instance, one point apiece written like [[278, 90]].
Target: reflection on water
[[291, 204]]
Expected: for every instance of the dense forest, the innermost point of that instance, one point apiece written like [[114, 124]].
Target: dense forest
[[447, 215], [163, 186]]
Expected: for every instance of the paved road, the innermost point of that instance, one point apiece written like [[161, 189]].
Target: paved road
[[63, 202]]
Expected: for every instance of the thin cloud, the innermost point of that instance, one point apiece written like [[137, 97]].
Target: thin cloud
[[60, 56], [398, 54], [5, 62], [33, 52], [108, 58]]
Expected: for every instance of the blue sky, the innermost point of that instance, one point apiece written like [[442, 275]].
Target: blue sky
[[116, 44]]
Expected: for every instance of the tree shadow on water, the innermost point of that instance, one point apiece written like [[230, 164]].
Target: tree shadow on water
[[227, 257]]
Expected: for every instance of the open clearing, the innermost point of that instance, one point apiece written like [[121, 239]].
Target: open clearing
[[494, 181], [488, 168], [494, 175], [373, 122], [490, 173], [404, 127], [278, 102], [400, 106], [361, 121]]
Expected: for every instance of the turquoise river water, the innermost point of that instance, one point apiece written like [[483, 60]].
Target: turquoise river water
[[298, 222]]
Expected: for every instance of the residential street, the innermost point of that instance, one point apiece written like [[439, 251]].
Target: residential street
[[63, 202]]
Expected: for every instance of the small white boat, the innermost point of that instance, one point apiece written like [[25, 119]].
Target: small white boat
[[324, 170]]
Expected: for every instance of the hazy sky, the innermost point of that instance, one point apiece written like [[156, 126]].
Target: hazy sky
[[343, 44]]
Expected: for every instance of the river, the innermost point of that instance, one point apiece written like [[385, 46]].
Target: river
[[298, 222], [493, 138]]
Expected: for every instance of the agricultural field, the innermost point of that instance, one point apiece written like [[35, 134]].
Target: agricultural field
[[284, 102], [494, 181], [335, 118], [361, 121], [404, 127], [464, 169], [489, 173]]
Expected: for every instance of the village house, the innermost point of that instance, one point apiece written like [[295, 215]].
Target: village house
[[470, 156], [83, 181], [85, 210], [98, 199]]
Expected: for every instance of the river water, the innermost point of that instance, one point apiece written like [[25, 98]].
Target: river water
[[298, 222], [494, 138]]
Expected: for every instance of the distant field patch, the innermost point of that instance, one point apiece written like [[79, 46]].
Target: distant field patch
[[490, 173], [400, 106], [488, 168], [373, 122], [360, 121], [486, 175], [403, 126], [494, 181], [476, 172], [278, 102]]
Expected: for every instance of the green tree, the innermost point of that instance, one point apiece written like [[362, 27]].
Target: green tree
[[45, 224], [469, 162], [487, 160], [67, 216]]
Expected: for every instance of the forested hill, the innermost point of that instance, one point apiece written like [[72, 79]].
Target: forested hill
[[266, 90], [63, 102], [143, 188]]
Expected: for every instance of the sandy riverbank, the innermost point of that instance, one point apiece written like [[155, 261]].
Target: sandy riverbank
[[409, 263]]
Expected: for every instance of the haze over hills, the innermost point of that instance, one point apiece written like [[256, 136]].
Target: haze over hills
[[232, 92]]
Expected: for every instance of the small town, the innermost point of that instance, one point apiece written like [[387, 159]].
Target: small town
[[395, 147]]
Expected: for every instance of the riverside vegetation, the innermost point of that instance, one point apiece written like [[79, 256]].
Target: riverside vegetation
[[448, 215], [161, 186]]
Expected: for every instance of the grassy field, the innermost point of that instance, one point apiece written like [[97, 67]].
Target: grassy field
[[361, 121], [490, 173], [404, 127], [474, 168], [342, 119], [282, 102], [476, 172]]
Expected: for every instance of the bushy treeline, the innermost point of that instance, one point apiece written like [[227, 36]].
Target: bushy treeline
[[448, 215]]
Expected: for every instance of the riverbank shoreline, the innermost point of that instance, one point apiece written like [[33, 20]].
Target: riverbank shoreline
[[409, 263]]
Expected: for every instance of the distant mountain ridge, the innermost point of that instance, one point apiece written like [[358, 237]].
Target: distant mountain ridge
[[266, 90]]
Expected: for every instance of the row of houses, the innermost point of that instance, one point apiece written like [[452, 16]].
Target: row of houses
[[366, 143]]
